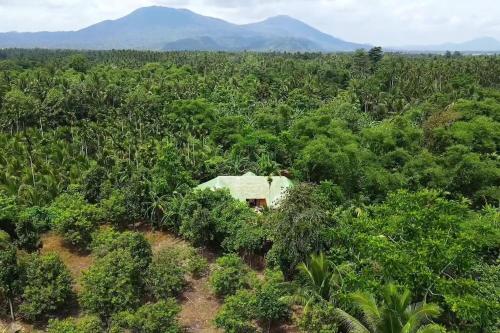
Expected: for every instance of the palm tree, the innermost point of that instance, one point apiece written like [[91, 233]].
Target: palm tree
[[322, 279], [396, 314]]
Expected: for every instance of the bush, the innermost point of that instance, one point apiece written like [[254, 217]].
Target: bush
[[166, 274], [114, 209], [230, 274], [112, 284], [10, 282], [74, 218], [235, 315], [269, 305], [48, 287], [214, 218], [264, 305], [86, 324], [196, 264], [319, 318], [108, 240], [159, 317], [30, 223]]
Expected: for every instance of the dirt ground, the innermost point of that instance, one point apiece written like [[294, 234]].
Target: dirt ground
[[75, 261]]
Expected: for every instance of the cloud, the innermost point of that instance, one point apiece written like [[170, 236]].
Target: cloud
[[383, 22]]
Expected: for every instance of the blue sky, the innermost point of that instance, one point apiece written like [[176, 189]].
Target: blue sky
[[384, 22]]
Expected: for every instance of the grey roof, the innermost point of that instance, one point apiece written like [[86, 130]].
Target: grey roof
[[250, 186]]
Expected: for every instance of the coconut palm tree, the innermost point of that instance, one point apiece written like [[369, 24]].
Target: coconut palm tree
[[322, 280], [395, 314]]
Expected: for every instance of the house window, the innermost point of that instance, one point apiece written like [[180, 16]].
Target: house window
[[257, 203]]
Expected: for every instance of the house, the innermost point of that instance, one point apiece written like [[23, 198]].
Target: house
[[257, 191]]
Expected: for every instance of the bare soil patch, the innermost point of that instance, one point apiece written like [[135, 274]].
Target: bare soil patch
[[76, 261]]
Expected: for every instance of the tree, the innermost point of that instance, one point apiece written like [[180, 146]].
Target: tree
[[297, 228], [107, 240], [74, 219], [321, 277], [48, 286], [112, 284], [395, 314], [10, 271], [160, 317], [30, 223], [235, 315], [166, 273], [85, 324], [229, 275], [375, 54]]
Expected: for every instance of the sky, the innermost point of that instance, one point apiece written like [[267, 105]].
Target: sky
[[378, 22]]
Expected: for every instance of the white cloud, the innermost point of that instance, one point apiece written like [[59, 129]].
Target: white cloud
[[384, 22]]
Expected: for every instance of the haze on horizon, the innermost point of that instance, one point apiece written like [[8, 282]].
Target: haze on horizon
[[381, 22]]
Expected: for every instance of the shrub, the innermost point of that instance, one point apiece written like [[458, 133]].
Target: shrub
[[112, 284], [10, 283], [166, 274], [74, 218], [159, 317], [230, 274], [86, 324], [114, 210], [235, 316], [319, 318], [196, 264], [48, 287], [30, 223], [270, 306], [108, 240], [215, 218]]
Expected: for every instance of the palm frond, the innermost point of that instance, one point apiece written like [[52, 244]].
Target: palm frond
[[432, 328], [418, 313], [367, 304], [351, 324]]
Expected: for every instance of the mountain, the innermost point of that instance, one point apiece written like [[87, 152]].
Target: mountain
[[286, 26], [485, 44], [163, 28]]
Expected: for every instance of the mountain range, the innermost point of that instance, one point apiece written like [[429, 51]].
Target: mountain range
[[163, 28], [169, 29]]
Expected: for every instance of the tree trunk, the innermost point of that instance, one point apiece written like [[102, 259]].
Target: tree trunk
[[11, 309]]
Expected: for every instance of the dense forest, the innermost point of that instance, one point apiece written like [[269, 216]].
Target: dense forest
[[392, 224]]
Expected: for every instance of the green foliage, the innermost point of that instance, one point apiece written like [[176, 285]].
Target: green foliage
[[264, 305], [48, 287], [10, 272], [297, 228], [86, 324], [74, 219], [166, 274], [112, 284], [395, 314], [158, 317], [107, 240], [30, 223], [169, 175], [215, 218], [135, 131], [319, 318], [270, 305], [237, 312], [442, 240], [321, 277], [229, 275], [8, 213]]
